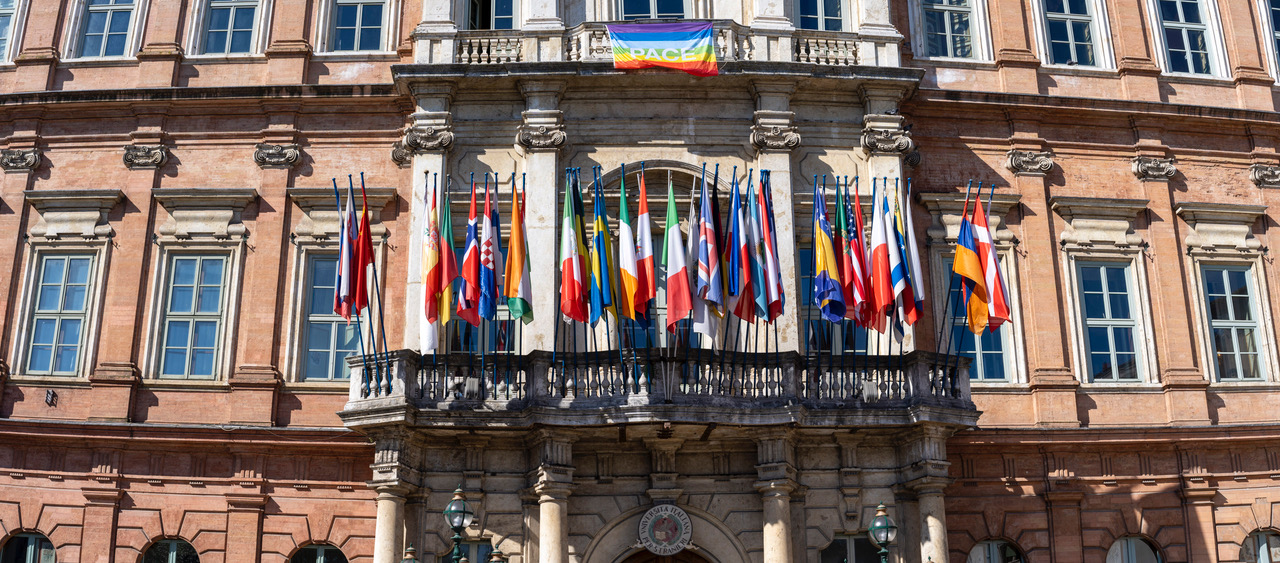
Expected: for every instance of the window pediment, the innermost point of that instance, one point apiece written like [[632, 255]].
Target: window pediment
[[72, 213], [1220, 227], [1099, 223], [946, 207], [203, 212], [321, 218]]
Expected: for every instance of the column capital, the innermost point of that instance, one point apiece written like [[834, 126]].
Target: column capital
[[1029, 162], [928, 485], [776, 487], [552, 491], [886, 135]]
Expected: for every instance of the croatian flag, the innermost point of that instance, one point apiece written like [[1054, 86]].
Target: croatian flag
[[683, 46]]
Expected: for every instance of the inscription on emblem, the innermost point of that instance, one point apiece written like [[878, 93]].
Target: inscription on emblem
[[665, 530]]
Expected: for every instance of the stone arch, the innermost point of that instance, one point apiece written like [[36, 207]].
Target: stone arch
[[712, 540]]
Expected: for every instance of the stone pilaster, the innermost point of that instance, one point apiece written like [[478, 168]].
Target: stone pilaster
[[774, 136], [425, 147], [244, 525], [540, 138], [388, 534], [101, 507], [396, 458], [662, 471], [553, 486], [775, 469]]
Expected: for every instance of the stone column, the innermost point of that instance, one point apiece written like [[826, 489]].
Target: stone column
[[1202, 544], [244, 526], [396, 458], [388, 532], [424, 147], [774, 137], [932, 518], [775, 454], [97, 544], [554, 483], [540, 138]]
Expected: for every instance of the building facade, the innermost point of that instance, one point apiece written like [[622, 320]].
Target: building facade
[[176, 387]]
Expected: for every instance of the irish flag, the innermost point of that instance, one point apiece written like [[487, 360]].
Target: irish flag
[[683, 46], [517, 289]]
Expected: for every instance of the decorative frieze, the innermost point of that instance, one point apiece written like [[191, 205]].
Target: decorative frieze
[[203, 212], [267, 155], [72, 213], [541, 137], [1220, 228], [1099, 223], [20, 160], [436, 138], [1265, 175], [1029, 162], [1153, 169], [145, 157]]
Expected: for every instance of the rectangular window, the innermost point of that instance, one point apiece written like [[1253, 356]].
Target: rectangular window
[[329, 338], [820, 335], [947, 28], [1109, 313], [57, 325], [985, 351], [820, 14], [1185, 36], [1070, 27], [492, 14], [1233, 326], [229, 26], [1274, 14], [652, 9], [357, 26], [106, 28], [7, 15], [193, 317]]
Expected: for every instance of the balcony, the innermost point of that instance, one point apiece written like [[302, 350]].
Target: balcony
[[463, 390]]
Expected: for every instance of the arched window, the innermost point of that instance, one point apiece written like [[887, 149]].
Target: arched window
[[28, 548], [995, 551], [1262, 547], [318, 554], [1133, 550], [171, 551]]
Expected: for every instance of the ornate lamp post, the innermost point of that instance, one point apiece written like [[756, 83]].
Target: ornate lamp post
[[459, 516], [882, 532], [410, 555]]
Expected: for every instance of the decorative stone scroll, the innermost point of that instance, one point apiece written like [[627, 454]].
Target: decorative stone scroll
[[886, 134], [1265, 175], [145, 157], [1099, 223], [774, 138], [946, 208], [541, 137], [1029, 162], [20, 160], [1221, 229], [203, 212], [436, 138], [321, 219], [1152, 169], [267, 155], [72, 213]]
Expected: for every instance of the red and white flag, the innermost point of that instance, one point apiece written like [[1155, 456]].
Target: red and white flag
[[998, 302], [647, 283], [881, 273]]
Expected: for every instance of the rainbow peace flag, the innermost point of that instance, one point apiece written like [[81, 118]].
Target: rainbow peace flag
[[682, 46]]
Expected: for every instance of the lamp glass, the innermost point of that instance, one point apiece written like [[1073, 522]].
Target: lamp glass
[[458, 513], [882, 530]]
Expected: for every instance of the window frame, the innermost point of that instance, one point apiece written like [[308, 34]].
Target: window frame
[[198, 27], [1110, 322], [822, 19], [77, 13], [979, 27], [233, 268], [172, 544], [17, 25], [515, 15], [325, 29], [1126, 544], [100, 253], [1140, 306], [1265, 332], [297, 327], [307, 318], [1219, 65], [1233, 325], [1270, 36], [195, 315], [686, 10], [39, 537], [1103, 52]]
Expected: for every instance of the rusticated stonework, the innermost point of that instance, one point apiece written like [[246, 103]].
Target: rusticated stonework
[[887, 141], [1029, 162], [1265, 175], [1149, 169], [428, 139], [775, 138], [20, 160], [142, 157], [541, 136], [267, 155]]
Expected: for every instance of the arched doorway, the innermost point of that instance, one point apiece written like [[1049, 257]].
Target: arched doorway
[[685, 556]]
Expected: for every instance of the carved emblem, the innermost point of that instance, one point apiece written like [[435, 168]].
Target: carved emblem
[[665, 530], [277, 156], [1028, 162], [887, 141], [541, 136], [1265, 175], [141, 157], [776, 138], [20, 160], [415, 141], [1148, 168]]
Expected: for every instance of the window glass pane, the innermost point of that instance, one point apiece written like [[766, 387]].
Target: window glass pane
[[202, 362], [78, 271], [1058, 30], [1119, 306], [74, 298], [219, 17], [320, 336], [370, 39], [119, 23], [345, 40], [1098, 341], [960, 35], [184, 271], [317, 365], [41, 358], [206, 334], [159, 553], [1054, 6], [175, 362], [209, 299], [180, 299], [43, 331], [178, 334], [1191, 11], [347, 15], [632, 9], [69, 332], [1127, 366], [502, 9], [244, 18], [53, 270], [1169, 11], [1091, 278], [114, 46], [211, 271], [1094, 306], [1122, 339], [48, 300], [241, 42], [670, 8], [1116, 282], [1079, 7], [1100, 366], [96, 22]]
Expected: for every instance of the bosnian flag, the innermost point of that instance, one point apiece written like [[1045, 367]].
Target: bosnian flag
[[826, 277], [647, 282], [626, 255], [998, 305], [342, 297], [573, 252], [682, 46], [490, 256], [673, 257], [881, 279], [469, 296], [431, 269], [769, 237]]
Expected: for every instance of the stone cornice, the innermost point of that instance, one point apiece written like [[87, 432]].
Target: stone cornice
[[213, 212], [81, 213], [1099, 222], [1221, 227], [321, 218], [250, 94], [946, 207]]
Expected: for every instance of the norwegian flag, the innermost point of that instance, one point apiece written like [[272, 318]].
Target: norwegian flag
[[469, 296]]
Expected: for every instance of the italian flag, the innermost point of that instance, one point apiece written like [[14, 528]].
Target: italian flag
[[679, 303], [517, 287]]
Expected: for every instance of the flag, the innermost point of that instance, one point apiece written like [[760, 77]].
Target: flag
[[881, 279], [861, 262], [630, 288], [573, 252], [364, 259], [342, 296], [517, 288], [682, 46], [913, 253], [448, 259], [490, 256], [428, 336], [848, 281], [704, 321], [469, 296], [710, 286], [742, 296], [673, 257], [968, 266], [648, 281], [826, 278], [756, 251], [903, 286], [998, 304], [602, 296], [772, 268]]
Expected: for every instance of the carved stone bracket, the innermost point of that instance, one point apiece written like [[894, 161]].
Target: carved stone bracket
[[203, 212], [947, 207], [321, 219], [774, 138], [1265, 175], [145, 157], [1220, 228], [20, 160], [436, 138], [1099, 222], [541, 137], [1152, 169], [1029, 162], [267, 155], [72, 213], [879, 141]]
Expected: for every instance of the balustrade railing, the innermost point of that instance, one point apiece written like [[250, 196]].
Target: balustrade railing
[[488, 47]]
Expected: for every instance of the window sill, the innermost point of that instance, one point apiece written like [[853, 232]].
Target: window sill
[[62, 381], [997, 386], [225, 59], [1079, 70], [1122, 387], [88, 62], [1246, 386], [186, 384], [333, 387], [953, 62], [356, 56], [1187, 78]]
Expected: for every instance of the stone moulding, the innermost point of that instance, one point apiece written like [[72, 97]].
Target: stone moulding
[[321, 219], [1265, 175], [1218, 228], [1029, 162], [416, 141], [946, 208], [542, 137], [775, 138], [1152, 169], [145, 157], [267, 155], [72, 213], [1099, 222], [203, 212], [20, 160]]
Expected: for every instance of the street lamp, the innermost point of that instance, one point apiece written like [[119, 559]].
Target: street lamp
[[459, 516], [410, 555], [882, 532]]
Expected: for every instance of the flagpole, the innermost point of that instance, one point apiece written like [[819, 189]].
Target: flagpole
[[364, 376], [377, 366], [945, 322], [382, 326], [964, 298]]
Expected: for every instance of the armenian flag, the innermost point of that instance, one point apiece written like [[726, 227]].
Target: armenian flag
[[998, 304], [968, 266], [683, 46]]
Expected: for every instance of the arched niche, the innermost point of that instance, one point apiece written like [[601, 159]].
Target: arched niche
[[712, 540]]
